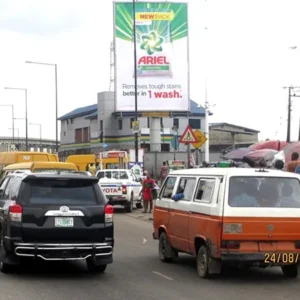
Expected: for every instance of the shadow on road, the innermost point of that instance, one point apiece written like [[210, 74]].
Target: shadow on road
[[54, 270], [238, 275]]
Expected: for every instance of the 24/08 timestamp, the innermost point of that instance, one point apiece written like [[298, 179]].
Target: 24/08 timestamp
[[281, 258]]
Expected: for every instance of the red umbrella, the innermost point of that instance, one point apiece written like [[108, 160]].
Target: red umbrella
[[293, 147], [275, 145], [263, 156]]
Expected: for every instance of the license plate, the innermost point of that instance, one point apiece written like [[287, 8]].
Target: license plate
[[64, 222]]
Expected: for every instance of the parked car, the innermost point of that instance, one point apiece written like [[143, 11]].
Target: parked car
[[55, 217]]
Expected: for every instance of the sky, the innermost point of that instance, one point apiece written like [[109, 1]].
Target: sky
[[240, 48]]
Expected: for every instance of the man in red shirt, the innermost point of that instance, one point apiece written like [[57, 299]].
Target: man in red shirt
[[148, 185]]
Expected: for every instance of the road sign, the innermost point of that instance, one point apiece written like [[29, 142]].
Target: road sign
[[201, 139], [135, 126], [188, 137]]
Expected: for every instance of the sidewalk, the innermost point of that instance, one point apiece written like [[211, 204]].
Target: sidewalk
[[138, 214]]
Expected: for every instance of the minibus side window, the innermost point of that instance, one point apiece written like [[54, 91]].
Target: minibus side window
[[168, 188], [205, 190], [186, 187]]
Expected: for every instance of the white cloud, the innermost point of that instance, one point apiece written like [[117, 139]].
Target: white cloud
[[244, 54]]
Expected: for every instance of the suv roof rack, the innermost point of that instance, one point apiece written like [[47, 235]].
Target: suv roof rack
[[22, 172]]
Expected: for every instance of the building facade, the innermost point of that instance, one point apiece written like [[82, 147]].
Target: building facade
[[96, 127]]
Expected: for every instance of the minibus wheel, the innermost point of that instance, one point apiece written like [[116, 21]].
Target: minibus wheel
[[164, 249], [290, 271], [202, 262]]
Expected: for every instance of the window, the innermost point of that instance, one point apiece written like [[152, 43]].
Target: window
[[168, 187], [71, 121], [195, 123], [120, 124], [165, 147], [101, 125], [176, 123], [15, 185], [186, 187], [264, 192], [148, 122], [161, 123], [43, 191], [131, 121], [119, 175], [3, 185], [205, 190]]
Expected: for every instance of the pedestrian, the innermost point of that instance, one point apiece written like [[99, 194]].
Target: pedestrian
[[279, 164], [292, 165], [148, 185], [97, 167], [164, 170], [92, 169]]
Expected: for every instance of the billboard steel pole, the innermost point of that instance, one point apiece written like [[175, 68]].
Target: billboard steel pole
[[135, 84]]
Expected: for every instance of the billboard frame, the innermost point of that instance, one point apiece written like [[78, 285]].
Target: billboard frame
[[115, 56]]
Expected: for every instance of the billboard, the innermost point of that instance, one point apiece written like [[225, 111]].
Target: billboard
[[162, 56]]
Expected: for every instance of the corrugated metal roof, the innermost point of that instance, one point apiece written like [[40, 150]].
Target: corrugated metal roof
[[92, 115], [81, 111], [232, 125], [91, 111]]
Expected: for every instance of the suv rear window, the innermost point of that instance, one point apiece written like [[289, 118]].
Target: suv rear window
[[264, 192], [113, 174], [61, 192]]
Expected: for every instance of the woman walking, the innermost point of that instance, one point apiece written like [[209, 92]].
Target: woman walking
[[148, 185]]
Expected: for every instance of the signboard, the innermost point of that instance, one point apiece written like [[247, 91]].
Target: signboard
[[162, 56], [155, 114], [188, 137], [201, 138], [111, 154], [135, 126]]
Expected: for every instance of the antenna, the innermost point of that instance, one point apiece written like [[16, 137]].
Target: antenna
[[112, 67]]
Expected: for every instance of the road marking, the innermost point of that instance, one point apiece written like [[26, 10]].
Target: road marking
[[162, 275]]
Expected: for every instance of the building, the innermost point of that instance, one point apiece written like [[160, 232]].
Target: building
[[34, 144], [224, 137], [96, 127]]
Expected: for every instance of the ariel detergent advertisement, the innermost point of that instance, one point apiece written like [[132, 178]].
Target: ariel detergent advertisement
[[162, 56]]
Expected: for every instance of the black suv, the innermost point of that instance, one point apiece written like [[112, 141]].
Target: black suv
[[55, 217]]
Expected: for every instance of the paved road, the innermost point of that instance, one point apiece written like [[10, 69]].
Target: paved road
[[138, 274]]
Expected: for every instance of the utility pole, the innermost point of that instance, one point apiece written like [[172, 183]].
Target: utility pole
[[288, 135], [299, 132]]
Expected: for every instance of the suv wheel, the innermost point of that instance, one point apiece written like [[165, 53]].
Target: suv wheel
[[129, 205], [94, 268], [4, 267], [290, 271]]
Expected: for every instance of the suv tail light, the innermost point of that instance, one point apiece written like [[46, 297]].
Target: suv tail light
[[124, 189], [15, 212], [109, 213]]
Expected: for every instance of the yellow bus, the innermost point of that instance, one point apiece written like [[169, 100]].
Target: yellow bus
[[82, 160], [40, 166], [114, 160], [8, 158]]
